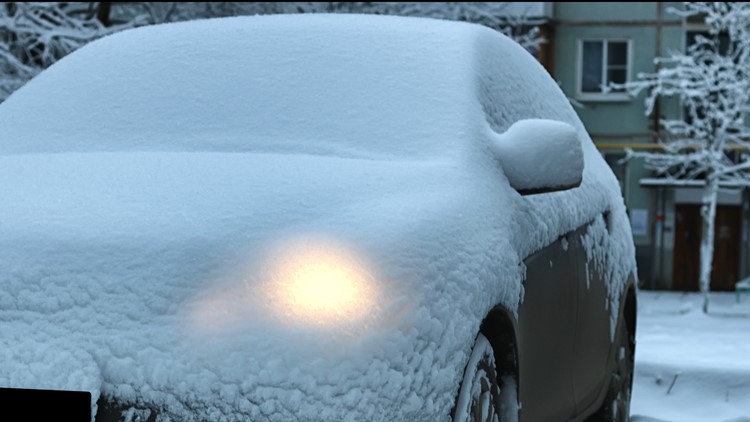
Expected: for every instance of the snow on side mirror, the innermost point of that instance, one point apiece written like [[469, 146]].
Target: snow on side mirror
[[540, 155]]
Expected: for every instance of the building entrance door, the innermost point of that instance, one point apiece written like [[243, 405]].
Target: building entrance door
[[688, 228]]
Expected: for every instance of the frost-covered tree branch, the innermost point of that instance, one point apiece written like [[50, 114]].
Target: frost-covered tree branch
[[33, 35], [709, 142]]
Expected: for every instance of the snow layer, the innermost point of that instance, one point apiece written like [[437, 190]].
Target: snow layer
[[157, 183], [689, 366], [540, 154]]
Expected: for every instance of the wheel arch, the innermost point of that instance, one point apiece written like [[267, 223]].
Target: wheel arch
[[500, 327], [630, 313]]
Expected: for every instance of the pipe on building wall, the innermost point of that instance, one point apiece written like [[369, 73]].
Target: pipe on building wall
[[657, 244]]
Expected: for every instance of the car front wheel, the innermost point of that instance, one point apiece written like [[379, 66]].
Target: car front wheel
[[616, 406], [485, 396]]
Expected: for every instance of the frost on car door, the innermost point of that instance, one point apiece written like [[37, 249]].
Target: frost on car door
[[592, 336]]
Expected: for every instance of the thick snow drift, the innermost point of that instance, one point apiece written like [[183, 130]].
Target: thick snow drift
[[164, 187]]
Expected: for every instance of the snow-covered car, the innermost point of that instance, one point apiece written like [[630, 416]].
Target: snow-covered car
[[317, 217]]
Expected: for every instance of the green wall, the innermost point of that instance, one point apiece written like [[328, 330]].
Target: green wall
[[622, 121]]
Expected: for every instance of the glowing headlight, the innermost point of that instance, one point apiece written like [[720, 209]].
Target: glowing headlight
[[322, 285], [308, 283]]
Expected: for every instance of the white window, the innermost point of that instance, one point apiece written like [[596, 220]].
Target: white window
[[601, 63]]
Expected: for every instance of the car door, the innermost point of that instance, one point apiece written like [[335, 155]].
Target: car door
[[546, 326], [592, 336]]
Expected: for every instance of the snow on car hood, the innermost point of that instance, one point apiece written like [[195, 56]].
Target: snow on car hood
[[157, 274]]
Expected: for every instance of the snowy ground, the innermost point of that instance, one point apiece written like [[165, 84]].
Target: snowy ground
[[692, 367]]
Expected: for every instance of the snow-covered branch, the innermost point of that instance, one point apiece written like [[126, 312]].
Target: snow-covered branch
[[709, 141], [33, 35]]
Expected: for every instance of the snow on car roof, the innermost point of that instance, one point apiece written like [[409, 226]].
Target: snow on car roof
[[357, 86], [144, 173]]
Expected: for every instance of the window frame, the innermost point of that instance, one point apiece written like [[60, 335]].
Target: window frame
[[603, 96]]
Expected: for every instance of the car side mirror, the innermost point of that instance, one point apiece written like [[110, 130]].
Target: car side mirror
[[540, 155]]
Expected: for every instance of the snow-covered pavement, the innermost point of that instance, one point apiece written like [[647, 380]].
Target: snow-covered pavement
[[692, 367]]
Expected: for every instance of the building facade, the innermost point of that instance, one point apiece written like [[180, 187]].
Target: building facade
[[594, 44]]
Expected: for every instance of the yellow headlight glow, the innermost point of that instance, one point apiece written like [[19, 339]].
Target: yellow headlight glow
[[322, 285], [308, 283]]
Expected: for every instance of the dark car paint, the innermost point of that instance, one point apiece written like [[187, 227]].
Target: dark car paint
[[546, 328], [593, 331], [565, 350]]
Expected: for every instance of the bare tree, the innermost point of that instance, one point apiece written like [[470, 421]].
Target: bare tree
[[709, 142]]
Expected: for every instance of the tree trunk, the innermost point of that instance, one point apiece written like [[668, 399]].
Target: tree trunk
[[708, 212], [103, 13]]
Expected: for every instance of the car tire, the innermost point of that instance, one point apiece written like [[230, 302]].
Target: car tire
[[485, 394], [616, 406]]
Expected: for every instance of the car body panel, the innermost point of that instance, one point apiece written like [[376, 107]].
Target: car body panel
[[565, 356], [546, 324], [593, 329]]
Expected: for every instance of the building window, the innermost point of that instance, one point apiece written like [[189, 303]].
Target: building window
[[601, 63]]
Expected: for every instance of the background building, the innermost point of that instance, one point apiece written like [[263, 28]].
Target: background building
[[604, 42]]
